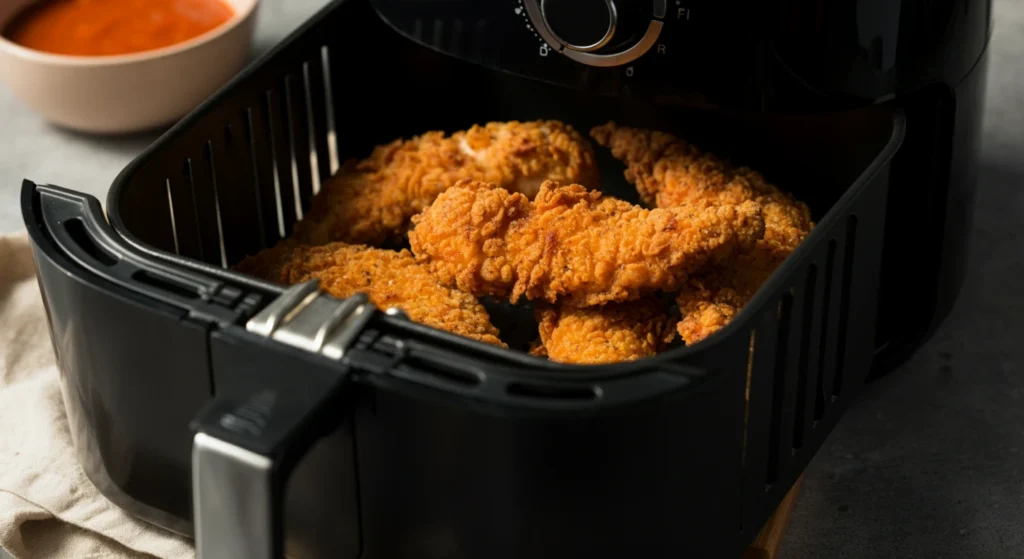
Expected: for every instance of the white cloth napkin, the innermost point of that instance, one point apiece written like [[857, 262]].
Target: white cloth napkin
[[48, 508]]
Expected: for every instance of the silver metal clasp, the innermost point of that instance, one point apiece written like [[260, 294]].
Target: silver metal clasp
[[305, 318]]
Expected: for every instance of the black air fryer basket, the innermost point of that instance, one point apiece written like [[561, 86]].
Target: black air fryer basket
[[399, 440]]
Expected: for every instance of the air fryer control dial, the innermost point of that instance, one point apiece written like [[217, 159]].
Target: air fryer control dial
[[598, 32], [580, 25]]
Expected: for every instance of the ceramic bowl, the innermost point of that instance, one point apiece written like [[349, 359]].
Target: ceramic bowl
[[126, 93]]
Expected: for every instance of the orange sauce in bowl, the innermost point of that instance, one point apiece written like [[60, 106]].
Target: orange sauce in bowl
[[114, 27]]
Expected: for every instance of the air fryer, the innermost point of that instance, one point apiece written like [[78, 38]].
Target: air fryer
[[260, 418]]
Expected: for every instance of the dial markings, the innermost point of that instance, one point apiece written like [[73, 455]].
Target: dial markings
[[520, 10]]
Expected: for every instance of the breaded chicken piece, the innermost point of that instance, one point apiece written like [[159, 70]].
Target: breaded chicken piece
[[572, 243], [708, 301], [371, 201], [389, 278], [668, 171], [609, 333]]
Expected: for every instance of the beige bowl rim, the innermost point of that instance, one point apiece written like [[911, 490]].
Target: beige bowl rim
[[242, 9]]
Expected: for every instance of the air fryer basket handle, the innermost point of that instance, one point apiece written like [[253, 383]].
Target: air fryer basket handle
[[243, 452], [261, 422]]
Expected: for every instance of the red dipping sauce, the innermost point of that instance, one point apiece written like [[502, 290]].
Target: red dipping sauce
[[113, 27]]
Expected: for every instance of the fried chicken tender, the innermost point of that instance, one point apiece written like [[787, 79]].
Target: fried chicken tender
[[609, 333], [389, 278], [710, 300], [371, 201], [573, 243], [667, 172]]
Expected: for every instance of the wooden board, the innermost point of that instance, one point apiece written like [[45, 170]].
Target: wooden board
[[767, 544]]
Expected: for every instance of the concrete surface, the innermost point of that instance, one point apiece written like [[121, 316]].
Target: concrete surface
[[926, 464]]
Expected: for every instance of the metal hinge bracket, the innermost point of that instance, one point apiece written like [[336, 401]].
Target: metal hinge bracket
[[305, 318]]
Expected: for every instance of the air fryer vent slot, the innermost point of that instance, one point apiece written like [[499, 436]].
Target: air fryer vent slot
[[280, 159], [165, 284], [844, 303], [779, 389], [826, 304], [199, 178], [801, 415], [551, 392], [434, 369], [216, 203], [174, 225], [310, 125], [327, 116], [182, 213]]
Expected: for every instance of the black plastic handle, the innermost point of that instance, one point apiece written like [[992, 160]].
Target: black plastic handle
[[76, 224], [243, 452]]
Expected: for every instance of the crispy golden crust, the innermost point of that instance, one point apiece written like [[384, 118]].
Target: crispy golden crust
[[573, 243], [710, 300], [371, 201], [606, 334], [668, 171], [389, 278]]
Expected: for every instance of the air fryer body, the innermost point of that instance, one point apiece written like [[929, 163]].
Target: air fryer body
[[784, 57], [887, 109]]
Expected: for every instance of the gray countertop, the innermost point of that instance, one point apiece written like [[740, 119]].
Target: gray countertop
[[926, 464]]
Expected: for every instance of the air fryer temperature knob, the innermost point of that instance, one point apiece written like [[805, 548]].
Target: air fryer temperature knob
[[580, 25], [598, 32]]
